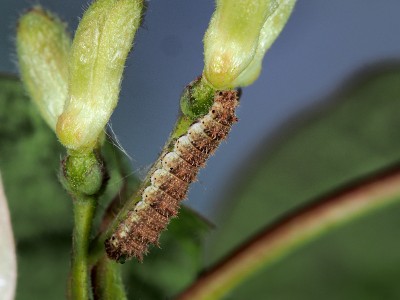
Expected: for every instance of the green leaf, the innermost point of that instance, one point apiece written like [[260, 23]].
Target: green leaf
[[40, 209], [43, 266], [29, 160], [355, 134]]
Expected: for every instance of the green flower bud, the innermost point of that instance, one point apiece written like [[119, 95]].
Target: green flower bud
[[239, 34], [98, 54], [43, 47], [270, 31], [83, 174]]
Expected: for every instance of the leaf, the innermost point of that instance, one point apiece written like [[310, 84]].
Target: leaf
[[40, 209], [357, 133], [8, 260], [29, 160]]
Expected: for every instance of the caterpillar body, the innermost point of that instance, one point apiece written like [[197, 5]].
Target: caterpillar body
[[170, 181]]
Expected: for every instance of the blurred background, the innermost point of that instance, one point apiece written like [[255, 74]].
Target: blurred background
[[323, 44]]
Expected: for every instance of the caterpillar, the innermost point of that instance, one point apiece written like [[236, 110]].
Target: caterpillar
[[170, 181]]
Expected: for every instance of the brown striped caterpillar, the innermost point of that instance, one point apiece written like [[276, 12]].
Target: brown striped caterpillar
[[169, 183]]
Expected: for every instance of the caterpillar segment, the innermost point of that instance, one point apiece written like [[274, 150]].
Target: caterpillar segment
[[170, 182]]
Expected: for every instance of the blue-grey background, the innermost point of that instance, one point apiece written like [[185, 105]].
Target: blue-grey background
[[323, 43]]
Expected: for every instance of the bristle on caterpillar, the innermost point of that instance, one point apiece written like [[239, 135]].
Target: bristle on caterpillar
[[169, 183]]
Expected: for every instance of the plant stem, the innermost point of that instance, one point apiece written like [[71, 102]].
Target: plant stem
[[107, 280], [106, 274], [97, 247], [84, 209], [285, 236], [195, 102]]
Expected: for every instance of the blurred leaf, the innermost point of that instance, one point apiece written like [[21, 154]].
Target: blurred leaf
[[357, 133], [43, 266], [29, 160], [8, 263], [107, 280], [41, 211]]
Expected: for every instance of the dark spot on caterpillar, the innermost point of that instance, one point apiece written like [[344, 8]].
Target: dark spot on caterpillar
[[169, 183]]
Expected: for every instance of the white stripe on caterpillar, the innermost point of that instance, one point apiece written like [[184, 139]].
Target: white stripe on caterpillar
[[170, 182]]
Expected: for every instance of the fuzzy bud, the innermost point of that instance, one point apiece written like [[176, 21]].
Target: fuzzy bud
[[83, 174], [101, 45], [239, 34], [43, 47]]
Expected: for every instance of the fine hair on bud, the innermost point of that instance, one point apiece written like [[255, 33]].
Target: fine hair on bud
[[239, 33], [43, 46], [271, 29], [100, 47]]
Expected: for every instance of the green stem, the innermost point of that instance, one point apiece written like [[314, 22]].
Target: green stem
[[287, 235], [84, 209], [97, 247], [107, 280], [195, 102]]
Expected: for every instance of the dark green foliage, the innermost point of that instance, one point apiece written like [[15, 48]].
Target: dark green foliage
[[40, 209], [29, 162]]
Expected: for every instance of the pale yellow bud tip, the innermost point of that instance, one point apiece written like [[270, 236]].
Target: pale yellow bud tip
[[239, 34], [101, 45], [43, 47]]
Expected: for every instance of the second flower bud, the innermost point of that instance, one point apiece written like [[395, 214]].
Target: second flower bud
[[98, 54]]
